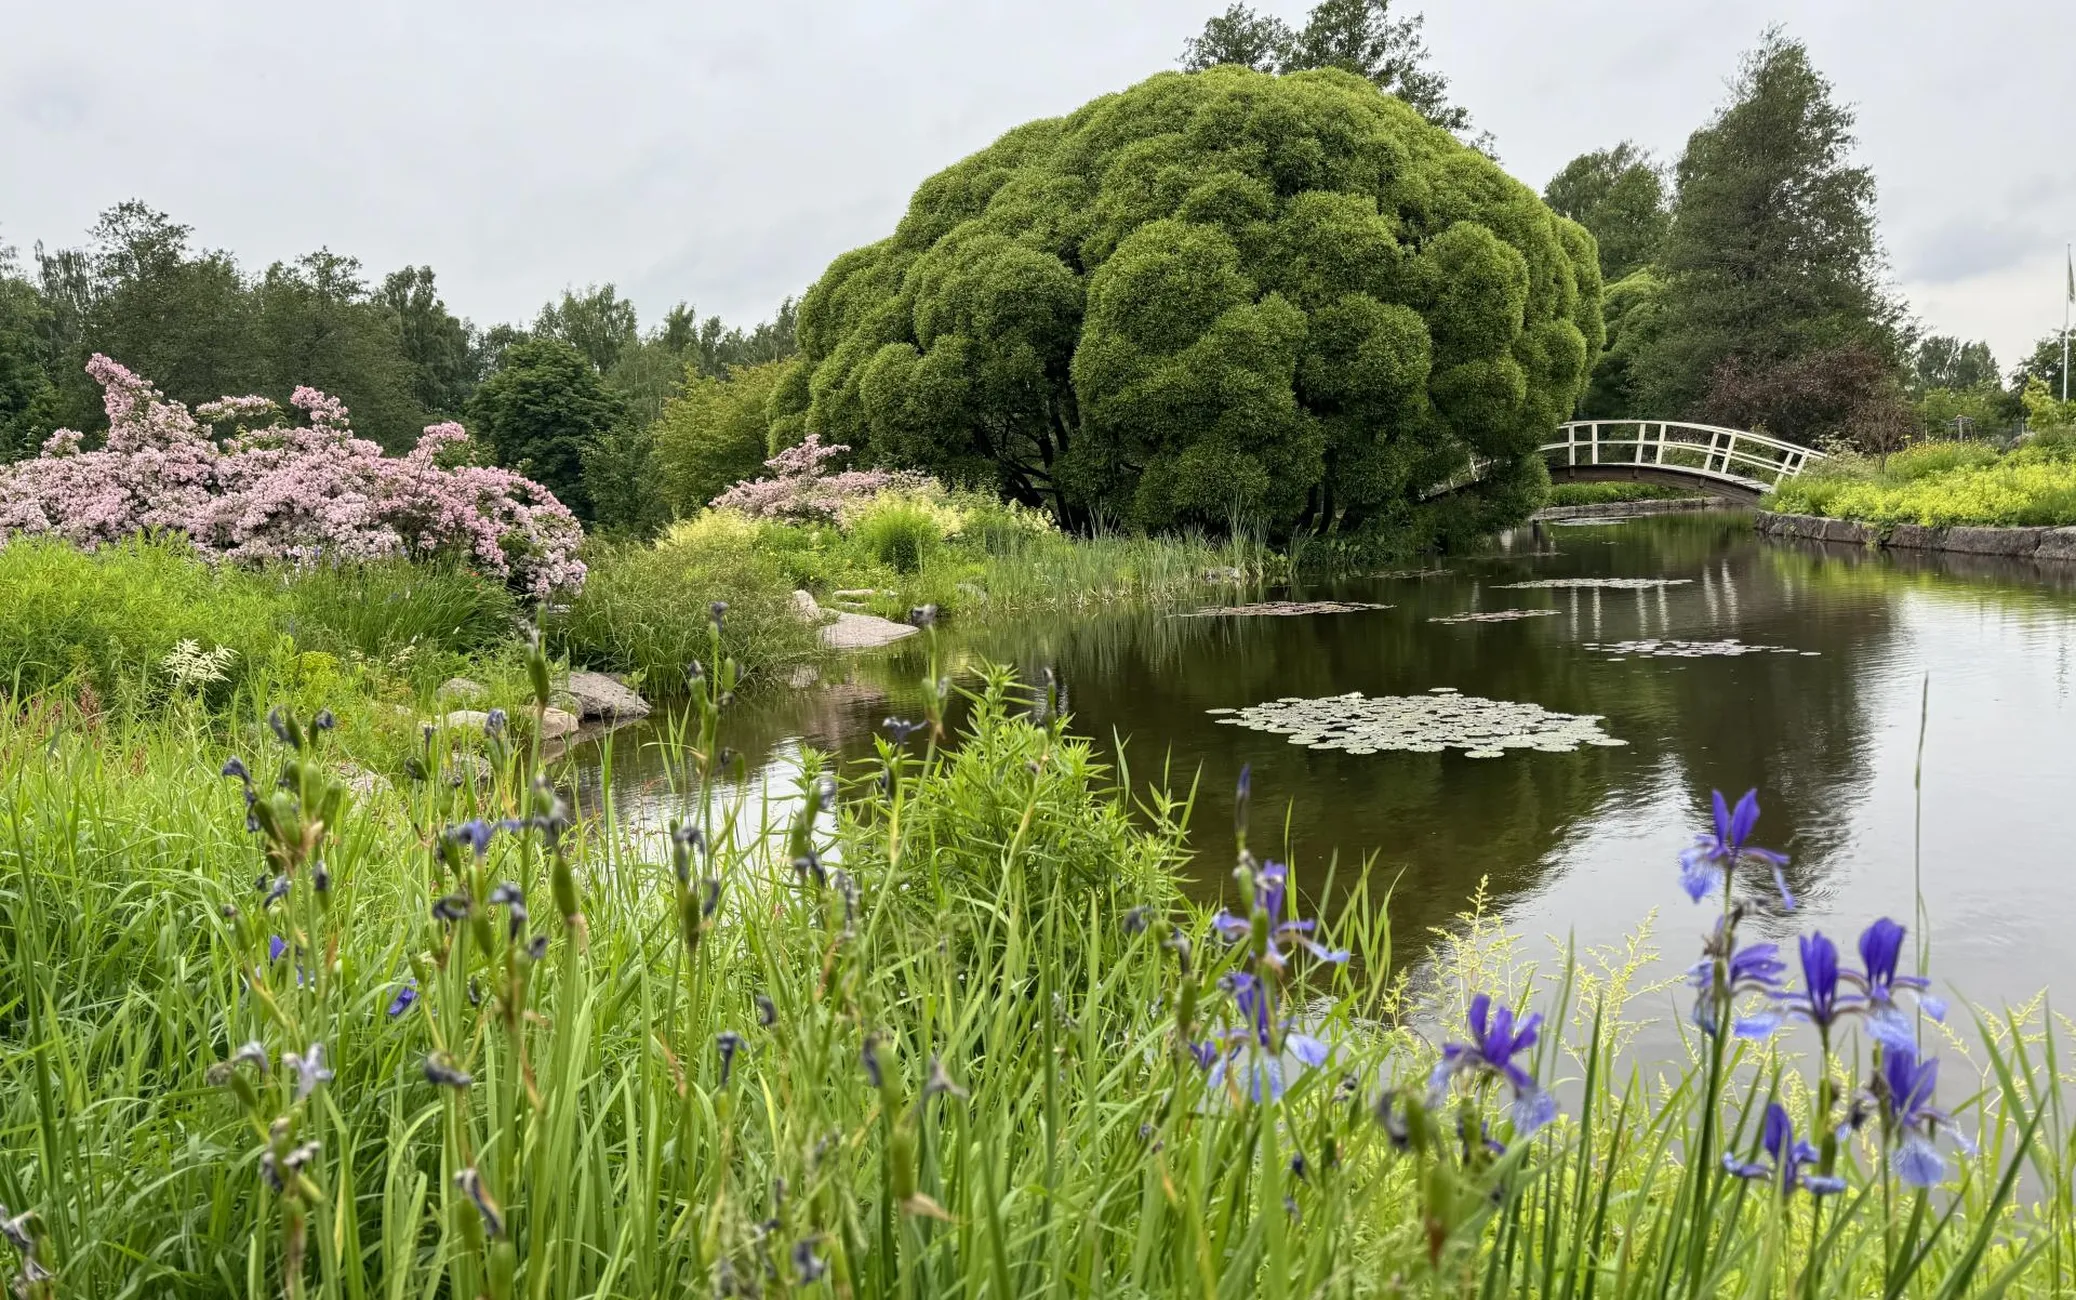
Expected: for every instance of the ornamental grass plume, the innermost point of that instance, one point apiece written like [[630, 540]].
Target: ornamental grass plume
[[285, 492]]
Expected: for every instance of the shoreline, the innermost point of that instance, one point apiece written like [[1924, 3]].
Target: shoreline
[[2029, 542], [1622, 509]]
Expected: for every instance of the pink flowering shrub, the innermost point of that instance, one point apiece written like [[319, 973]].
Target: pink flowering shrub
[[801, 486], [283, 492]]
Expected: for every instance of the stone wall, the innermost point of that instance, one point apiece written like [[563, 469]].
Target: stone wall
[[2017, 543]]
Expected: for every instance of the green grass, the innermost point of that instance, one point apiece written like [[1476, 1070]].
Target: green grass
[[108, 621], [645, 608], [986, 918], [1943, 484], [1587, 494]]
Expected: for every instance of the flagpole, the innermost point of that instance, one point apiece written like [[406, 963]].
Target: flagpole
[[2068, 296]]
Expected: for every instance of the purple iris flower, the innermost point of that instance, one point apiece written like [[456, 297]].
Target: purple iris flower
[[1272, 895], [405, 996], [476, 834], [1704, 867], [1754, 968], [1881, 944], [309, 1069], [1903, 1089], [729, 1042], [1786, 1157], [1254, 1036], [1495, 1041], [1820, 1002]]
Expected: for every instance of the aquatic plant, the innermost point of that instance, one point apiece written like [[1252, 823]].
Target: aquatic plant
[[1280, 609], [1494, 616], [1672, 648], [1611, 584], [1420, 724]]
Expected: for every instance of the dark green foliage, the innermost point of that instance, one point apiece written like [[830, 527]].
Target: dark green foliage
[[644, 609], [199, 329], [1619, 195], [1241, 37], [28, 400], [1943, 361], [316, 324], [1772, 254], [141, 296], [387, 608], [716, 434], [1358, 36], [1213, 297], [598, 323], [1634, 307], [540, 411], [620, 477], [2045, 365], [445, 358]]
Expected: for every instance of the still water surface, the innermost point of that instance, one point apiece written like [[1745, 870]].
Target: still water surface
[[1585, 844]]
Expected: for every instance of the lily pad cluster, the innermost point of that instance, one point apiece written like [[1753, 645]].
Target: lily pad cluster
[[1654, 647], [1281, 609], [1615, 584], [1420, 724], [1493, 616]]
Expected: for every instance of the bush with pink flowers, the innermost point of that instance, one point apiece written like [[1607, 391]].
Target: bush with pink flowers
[[276, 491], [801, 488]]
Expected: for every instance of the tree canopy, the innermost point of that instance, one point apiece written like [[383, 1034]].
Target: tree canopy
[[1213, 296], [541, 411], [713, 435], [1619, 195], [1358, 36], [1772, 254]]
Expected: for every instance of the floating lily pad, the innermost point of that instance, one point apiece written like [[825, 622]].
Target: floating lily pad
[[1421, 724], [1413, 573], [1618, 584], [1654, 647], [1494, 616], [1281, 609]]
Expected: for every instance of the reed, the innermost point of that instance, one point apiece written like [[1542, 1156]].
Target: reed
[[950, 1030]]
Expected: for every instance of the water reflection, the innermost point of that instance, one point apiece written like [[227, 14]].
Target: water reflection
[[1584, 843]]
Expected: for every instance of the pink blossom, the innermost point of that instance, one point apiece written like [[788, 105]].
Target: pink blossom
[[286, 492], [801, 488]]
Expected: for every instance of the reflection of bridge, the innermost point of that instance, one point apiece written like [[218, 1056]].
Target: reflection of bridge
[[1729, 461]]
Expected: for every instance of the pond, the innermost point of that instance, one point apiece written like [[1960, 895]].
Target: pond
[[1582, 839]]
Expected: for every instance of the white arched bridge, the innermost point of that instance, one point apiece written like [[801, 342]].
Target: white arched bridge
[[1733, 462]]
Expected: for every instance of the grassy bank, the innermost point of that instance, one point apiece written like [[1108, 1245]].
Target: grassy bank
[[140, 624], [1943, 484], [958, 1036], [644, 609], [1593, 494]]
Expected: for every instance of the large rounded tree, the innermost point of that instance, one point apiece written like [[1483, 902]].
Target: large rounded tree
[[1215, 296]]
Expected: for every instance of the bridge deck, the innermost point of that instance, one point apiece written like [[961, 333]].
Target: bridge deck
[[1734, 461]]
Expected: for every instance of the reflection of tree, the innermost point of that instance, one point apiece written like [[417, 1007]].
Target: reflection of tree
[[1796, 727]]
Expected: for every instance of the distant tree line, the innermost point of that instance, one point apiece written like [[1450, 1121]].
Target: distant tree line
[[1742, 284], [1747, 286], [568, 398]]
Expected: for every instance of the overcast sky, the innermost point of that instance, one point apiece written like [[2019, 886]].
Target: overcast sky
[[723, 153]]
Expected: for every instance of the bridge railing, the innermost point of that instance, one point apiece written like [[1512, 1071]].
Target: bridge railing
[[1705, 451]]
